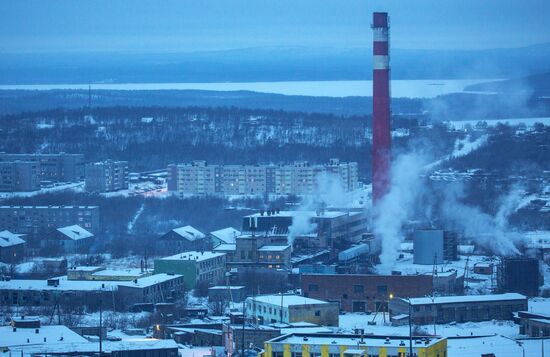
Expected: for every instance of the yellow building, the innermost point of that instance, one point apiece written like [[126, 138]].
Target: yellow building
[[339, 345]]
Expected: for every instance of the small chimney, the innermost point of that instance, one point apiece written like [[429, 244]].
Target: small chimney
[[36, 331]]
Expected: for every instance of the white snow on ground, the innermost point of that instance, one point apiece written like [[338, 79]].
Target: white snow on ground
[[132, 223], [462, 147], [461, 124]]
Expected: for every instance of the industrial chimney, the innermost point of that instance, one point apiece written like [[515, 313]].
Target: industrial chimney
[[381, 135]]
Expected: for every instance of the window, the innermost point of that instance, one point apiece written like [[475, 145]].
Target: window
[[313, 287], [382, 289], [358, 289], [317, 312]]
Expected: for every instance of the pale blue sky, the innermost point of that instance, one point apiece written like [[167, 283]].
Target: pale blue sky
[[196, 25]]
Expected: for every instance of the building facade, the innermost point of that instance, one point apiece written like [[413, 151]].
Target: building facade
[[464, 308], [196, 267], [362, 292], [68, 240], [19, 176], [200, 178], [12, 247], [288, 308], [60, 167], [106, 176], [34, 220], [181, 239], [342, 345]]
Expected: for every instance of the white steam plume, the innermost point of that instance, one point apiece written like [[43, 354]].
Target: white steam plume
[[397, 206]]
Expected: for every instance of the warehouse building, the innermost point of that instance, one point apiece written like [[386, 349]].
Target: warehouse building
[[288, 308], [464, 308], [342, 345]]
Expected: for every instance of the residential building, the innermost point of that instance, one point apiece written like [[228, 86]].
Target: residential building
[[37, 220], [196, 267], [289, 308], [342, 345], [69, 240], [114, 294], [224, 236], [19, 176], [12, 247], [60, 167], [226, 293], [364, 292], [463, 308], [181, 239], [198, 177], [106, 176]]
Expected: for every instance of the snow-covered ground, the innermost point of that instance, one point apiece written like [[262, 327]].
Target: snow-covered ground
[[72, 186], [529, 122]]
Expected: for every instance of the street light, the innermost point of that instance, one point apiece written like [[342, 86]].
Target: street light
[[520, 344], [410, 329]]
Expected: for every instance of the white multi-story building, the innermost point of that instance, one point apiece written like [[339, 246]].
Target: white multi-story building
[[200, 178]]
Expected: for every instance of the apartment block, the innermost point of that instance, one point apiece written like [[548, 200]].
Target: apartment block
[[19, 176], [106, 176], [198, 177], [34, 220], [60, 167]]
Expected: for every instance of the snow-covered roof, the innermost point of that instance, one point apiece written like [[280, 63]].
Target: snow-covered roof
[[75, 232], [188, 232], [286, 301], [83, 285], [225, 247], [467, 298], [346, 340], [274, 248], [225, 287], [52, 334], [8, 239], [194, 255], [324, 214], [226, 235], [125, 272]]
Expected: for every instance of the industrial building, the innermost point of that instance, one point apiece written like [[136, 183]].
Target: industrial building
[[196, 267], [106, 176], [519, 275], [35, 220], [115, 294], [343, 345], [328, 229], [464, 308], [289, 308], [100, 273], [12, 247], [198, 177], [534, 324], [434, 246], [224, 236], [19, 176], [362, 292], [181, 239], [60, 167]]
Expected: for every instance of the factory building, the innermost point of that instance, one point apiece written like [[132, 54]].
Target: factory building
[[328, 228], [106, 176], [362, 292], [19, 176], [342, 345], [434, 246], [464, 308], [519, 275], [60, 167], [33, 220], [288, 308], [198, 177]]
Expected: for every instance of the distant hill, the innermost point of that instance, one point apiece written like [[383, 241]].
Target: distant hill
[[537, 85]]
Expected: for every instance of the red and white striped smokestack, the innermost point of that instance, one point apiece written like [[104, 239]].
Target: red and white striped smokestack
[[381, 135]]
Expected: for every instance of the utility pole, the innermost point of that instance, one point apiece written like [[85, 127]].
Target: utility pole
[[410, 329], [100, 327], [244, 319]]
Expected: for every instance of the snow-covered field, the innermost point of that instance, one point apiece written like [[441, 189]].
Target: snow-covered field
[[462, 124], [411, 88]]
